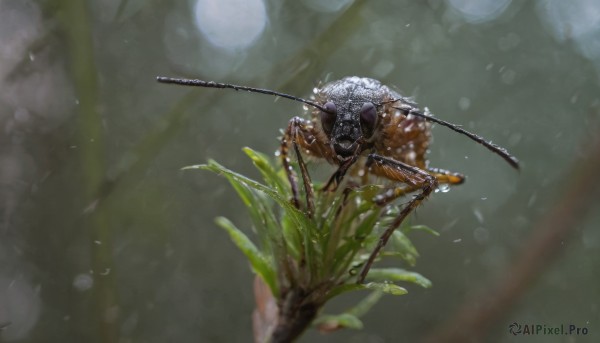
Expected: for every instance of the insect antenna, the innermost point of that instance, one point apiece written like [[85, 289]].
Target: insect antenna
[[489, 145], [212, 84]]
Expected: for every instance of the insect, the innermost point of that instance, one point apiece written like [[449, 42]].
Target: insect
[[365, 128]]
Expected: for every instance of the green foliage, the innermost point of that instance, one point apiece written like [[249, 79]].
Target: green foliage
[[319, 253]]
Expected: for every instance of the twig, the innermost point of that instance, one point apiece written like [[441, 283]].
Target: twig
[[296, 313]]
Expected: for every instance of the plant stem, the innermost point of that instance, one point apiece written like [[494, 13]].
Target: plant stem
[[296, 313], [77, 29]]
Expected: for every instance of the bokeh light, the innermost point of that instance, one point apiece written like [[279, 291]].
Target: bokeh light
[[327, 6], [578, 20], [478, 11], [231, 24]]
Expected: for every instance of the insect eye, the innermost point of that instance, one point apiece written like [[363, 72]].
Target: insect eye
[[368, 117], [328, 116]]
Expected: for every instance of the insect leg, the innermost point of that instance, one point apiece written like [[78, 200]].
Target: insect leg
[[443, 177], [408, 175], [295, 134], [446, 176], [338, 175]]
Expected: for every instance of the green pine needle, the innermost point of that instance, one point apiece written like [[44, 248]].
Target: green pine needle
[[319, 254]]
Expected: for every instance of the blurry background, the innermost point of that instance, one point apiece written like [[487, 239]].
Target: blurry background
[[104, 239]]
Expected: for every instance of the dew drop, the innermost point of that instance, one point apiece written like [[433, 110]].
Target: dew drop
[[443, 188]]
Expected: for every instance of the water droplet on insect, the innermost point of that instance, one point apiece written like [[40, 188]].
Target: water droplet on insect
[[443, 188]]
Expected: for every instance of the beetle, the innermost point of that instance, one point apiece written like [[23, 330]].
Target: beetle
[[365, 128]]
